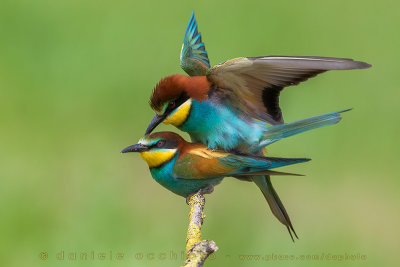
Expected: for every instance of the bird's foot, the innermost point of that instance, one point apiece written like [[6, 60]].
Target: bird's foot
[[208, 190]]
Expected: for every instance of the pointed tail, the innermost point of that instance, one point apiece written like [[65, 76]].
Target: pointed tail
[[274, 202], [243, 164], [278, 132]]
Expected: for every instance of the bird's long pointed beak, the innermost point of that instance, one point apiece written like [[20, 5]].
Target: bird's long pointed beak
[[157, 119], [135, 148]]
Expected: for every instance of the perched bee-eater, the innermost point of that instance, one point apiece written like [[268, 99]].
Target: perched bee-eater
[[228, 106], [185, 168]]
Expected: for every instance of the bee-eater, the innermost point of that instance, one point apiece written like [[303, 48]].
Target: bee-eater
[[221, 106], [184, 168], [228, 106]]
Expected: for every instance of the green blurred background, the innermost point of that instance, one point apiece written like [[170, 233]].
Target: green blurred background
[[75, 78]]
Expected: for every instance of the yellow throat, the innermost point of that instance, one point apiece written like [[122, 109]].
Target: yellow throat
[[178, 116], [155, 158]]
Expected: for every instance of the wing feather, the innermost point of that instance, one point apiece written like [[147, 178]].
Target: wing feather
[[254, 83], [202, 163], [194, 58]]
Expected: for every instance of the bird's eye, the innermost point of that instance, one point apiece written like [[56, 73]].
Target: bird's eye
[[171, 104], [160, 143]]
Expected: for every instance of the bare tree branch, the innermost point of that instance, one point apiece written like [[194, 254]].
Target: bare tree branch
[[197, 250]]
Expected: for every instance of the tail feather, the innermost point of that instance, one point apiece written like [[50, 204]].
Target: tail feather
[[270, 172], [278, 132], [243, 164], [274, 202]]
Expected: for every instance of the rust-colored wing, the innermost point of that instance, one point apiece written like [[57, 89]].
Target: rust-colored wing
[[202, 163]]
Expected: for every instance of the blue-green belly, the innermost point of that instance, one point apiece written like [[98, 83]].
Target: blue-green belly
[[179, 186]]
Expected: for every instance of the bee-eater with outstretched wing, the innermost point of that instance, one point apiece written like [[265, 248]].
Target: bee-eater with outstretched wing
[[184, 168], [228, 106]]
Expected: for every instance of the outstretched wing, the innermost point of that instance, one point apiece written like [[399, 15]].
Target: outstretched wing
[[194, 58], [254, 83], [202, 163]]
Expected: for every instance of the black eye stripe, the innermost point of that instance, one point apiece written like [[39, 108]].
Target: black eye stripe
[[179, 101], [160, 143], [167, 144]]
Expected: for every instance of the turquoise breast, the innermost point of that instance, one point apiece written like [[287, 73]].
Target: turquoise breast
[[220, 127], [182, 187]]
